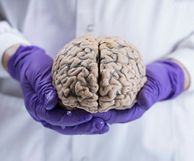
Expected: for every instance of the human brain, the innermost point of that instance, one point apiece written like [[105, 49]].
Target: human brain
[[98, 74]]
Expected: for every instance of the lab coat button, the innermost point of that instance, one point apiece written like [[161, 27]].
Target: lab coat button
[[85, 159], [90, 28]]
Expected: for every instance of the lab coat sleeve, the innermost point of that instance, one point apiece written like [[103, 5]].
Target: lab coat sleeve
[[184, 53], [8, 37]]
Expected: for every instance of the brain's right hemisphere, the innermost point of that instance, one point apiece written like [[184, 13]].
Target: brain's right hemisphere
[[98, 74]]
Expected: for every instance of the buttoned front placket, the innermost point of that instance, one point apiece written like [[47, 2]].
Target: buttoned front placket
[[85, 24], [85, 17]]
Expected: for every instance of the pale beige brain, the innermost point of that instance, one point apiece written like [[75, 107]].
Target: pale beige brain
[[98, 74]]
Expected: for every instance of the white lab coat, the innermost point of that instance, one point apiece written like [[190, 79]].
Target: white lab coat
[[157, 28]]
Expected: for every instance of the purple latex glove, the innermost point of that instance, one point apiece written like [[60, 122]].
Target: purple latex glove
[[31, 66], [165, 80]]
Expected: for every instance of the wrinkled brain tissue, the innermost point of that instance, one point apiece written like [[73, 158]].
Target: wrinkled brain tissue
[[98, 74]]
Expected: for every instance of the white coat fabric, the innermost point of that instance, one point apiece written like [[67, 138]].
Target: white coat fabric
[[158, 28]]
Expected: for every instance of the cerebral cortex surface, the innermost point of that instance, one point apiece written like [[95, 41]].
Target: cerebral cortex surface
[[98, 74]]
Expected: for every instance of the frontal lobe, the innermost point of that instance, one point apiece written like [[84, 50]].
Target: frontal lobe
[[75, 74], [122, 74], [98, 74]]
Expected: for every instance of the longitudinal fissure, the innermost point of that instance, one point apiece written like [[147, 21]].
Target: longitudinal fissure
[[99, 74]]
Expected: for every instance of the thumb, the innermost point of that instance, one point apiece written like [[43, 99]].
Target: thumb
[[147, 97], [50, 100]]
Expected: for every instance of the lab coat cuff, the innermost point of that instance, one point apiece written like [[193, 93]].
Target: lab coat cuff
[[186, 57], [8, 37]]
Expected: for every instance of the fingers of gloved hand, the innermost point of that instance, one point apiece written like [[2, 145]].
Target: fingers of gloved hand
[[42, 86], [51, 100], [31, 99], [100, 126], [145, 99], [149, 94], [47, 94], [36, 71], [57, 116], [121, 116], [95, 126], [42, 80], [62, 117]]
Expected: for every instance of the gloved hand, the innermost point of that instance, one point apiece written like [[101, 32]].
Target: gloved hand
[[31, 66], [165, 80]]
